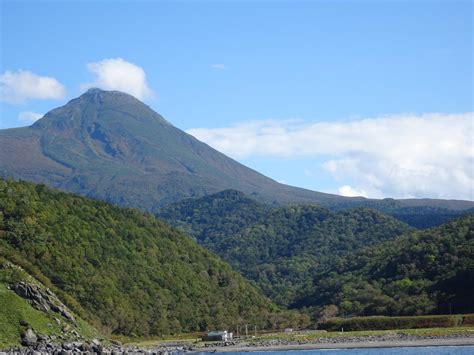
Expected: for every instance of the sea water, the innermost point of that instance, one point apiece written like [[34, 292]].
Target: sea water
[[425, 350]]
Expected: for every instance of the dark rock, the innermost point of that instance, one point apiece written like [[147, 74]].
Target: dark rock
[[61, 309], [43, 338], [77, 344], [85, 347], [96, 346]]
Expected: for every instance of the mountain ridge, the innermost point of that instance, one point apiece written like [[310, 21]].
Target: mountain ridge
[[109, 145]]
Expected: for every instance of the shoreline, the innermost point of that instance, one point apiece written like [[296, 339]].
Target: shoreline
[[353, 342], [367, 344]]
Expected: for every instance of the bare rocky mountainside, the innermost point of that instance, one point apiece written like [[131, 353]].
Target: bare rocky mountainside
[[109, 145]]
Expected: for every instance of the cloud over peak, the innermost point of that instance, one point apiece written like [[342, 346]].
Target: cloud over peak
[[118, 74], [22, 85], [29, 116], [430, 155]]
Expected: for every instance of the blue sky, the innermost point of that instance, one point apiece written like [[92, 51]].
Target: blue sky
[[276, 72]]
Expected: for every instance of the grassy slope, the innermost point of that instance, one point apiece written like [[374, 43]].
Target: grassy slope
[[17, 314]]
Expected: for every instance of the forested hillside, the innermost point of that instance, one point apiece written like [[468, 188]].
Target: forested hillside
[[422, 272], [280, 249], [130, 273]]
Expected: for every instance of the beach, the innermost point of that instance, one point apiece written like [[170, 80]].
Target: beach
[[351, 342]]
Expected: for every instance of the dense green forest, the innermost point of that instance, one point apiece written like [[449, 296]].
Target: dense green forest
[[423, 272], [129, 272], [280, 249]]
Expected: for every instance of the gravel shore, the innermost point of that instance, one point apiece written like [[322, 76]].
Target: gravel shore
[[350, 342], [387, 340]]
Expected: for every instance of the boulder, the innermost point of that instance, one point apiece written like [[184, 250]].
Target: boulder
[[29, 338]]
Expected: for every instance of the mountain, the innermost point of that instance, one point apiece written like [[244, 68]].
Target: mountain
[[124, 271], [422, 272], [110, 146], [281, 249]]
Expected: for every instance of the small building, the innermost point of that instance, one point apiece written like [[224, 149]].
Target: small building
[[288, 330], [218, 335]]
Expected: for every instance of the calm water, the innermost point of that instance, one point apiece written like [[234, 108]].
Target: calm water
[[436, 350]]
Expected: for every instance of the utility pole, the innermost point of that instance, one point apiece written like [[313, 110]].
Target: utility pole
[[246, 331], [255, 330]]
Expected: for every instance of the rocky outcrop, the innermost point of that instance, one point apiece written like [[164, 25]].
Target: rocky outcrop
[[41, 299]]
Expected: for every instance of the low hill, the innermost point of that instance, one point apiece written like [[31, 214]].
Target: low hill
[[110, 146], [280, 249], [422, 272], [130, 273]]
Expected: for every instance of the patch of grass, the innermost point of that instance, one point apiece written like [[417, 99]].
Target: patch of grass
[[387, 323], [145, 342], [312, 335]]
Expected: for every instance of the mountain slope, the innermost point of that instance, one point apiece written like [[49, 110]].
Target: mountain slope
[[423, 272], [131, 273], [280, 249], [110, 146]]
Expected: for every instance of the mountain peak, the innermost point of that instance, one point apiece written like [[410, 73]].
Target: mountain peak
[[100, 93], [98, 106], [95, 91]]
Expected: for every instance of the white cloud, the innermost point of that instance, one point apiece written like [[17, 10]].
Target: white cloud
[[29, 116], [220, 66], [17, 87], [397, 156], [349, 191], [118, 74]]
